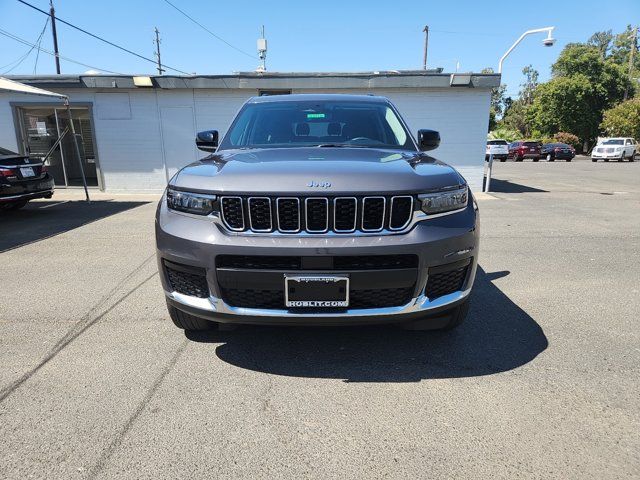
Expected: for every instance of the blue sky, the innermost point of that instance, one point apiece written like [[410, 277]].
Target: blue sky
[[325, 35]]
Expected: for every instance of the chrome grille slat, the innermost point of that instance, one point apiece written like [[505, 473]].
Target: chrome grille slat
[[230, 213], [317, 215], [289, 219], [342, 214], [313, 207], [370, 208], [396, 221], [259, 213]]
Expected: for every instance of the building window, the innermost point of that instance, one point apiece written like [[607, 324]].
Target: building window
[[264, 93]]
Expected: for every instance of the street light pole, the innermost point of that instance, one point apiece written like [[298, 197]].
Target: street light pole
[[548, 42], [426, 46]]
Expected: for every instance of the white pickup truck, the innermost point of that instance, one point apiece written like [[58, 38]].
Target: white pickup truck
[[615, 149], [499, 148]]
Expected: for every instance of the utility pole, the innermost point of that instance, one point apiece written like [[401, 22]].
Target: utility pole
[[52, 13], [634, 40], [157, 53], [426, 45]]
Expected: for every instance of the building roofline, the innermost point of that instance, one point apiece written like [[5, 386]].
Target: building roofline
[[274, 80]]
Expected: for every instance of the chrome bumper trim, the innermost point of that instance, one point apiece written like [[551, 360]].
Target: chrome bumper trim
[[217, 305], [29, 194]]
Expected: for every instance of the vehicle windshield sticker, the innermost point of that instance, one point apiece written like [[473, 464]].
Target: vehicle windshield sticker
[[315, 115]]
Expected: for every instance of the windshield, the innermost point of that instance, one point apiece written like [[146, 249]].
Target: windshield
[[4, 151], [497, 142], [613, 142], [324, 123]]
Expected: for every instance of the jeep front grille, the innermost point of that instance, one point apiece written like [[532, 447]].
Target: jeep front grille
[[317, 215]]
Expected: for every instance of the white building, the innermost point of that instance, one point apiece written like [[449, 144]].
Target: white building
[[137, 131]]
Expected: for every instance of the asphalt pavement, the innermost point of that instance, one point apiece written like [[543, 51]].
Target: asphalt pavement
[[542, 381]]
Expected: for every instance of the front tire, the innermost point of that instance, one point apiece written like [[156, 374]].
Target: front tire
[[448, 321], [519, 159], [188, 322]]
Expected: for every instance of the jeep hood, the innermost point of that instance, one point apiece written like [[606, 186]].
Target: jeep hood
[[314, 171]]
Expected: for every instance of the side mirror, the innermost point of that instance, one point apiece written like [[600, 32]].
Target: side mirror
[[207, 141], [428, 139]]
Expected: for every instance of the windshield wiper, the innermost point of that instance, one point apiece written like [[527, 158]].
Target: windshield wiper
[[342, 145]]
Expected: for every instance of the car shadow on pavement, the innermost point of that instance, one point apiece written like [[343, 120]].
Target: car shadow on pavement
[[505, 186], [40, 220], [496, 337]]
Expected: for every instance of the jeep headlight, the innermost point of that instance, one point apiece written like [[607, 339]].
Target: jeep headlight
[[444, 201], [191, 202]]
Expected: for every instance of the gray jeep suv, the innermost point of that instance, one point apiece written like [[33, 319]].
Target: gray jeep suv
[[317, 210]]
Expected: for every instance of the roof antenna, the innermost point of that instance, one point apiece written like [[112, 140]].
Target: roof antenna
[[262, 52]]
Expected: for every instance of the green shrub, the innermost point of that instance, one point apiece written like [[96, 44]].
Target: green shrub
[[623, 120], [568, 138]]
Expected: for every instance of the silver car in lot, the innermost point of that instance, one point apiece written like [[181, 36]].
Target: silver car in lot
[[317, 210]]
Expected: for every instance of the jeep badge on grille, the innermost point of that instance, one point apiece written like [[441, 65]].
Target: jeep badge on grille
[[315, 184]]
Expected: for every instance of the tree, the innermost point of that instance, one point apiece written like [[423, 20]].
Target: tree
[[623, 120], [515, 118], [602, 41], [621, 49], [497, 96], [583, 86], [530, 84], [565, 104]]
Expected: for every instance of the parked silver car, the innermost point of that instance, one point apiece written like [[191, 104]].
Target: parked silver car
[[317, 209]]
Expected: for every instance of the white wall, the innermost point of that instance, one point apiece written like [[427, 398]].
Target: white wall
[[132, 148]]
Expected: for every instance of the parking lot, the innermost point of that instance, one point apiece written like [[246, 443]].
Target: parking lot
[[542, 380]]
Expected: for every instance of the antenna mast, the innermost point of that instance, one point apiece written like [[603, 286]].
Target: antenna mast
[[262, 52]]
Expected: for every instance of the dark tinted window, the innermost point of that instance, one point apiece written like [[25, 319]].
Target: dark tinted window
[[497, 142], [531, 144], [304, 123]]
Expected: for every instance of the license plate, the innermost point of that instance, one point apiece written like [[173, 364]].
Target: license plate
[[27, 172], [316, 291]]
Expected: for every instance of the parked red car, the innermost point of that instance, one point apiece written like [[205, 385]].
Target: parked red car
[[520, 150]]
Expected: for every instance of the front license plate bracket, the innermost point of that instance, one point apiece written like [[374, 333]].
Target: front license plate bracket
[[316, 291]]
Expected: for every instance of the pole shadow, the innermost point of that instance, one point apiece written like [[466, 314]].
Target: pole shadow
[[505, 186], [497, 336], [44, 219]]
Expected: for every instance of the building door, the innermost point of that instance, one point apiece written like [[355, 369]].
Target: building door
[[178, 138], [41, 127]]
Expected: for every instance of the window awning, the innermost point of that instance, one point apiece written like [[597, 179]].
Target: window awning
[[7, 85]]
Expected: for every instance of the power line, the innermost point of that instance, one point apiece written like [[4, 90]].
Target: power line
[[207, 30], [35, 65], [25, 42], [100, 38], [24, 57]]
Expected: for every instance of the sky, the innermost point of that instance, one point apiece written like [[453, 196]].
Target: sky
[[326, 35]]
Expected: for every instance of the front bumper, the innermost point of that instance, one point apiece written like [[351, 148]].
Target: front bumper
[[196, 242], [496, 156], [607, 156], [27, 190]]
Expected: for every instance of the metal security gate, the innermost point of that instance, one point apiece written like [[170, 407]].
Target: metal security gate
[[41, 127]]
